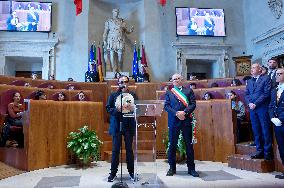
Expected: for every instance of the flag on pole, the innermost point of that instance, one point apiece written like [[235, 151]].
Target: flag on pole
[[93, 57], [79, 6], [134, 64], [100, 67], [143, 60]]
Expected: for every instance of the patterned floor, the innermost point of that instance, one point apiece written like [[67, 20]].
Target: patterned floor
[[212, 174], [7, 171]]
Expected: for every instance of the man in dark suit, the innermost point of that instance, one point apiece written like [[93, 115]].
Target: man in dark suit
[[276, 112], [180, 103], [128, 128], [257, 98], [92, 75], [32, 19], [272, 67]]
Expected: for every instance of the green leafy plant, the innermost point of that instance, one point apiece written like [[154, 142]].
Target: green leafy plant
[[181, 148], [85, 144]]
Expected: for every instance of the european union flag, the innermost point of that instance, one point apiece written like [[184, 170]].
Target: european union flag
[[135, 64]]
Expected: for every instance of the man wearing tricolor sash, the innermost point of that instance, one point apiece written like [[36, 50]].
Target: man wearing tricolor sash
[[180, 104]]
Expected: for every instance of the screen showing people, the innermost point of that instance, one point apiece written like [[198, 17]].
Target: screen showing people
[[25, 16], [200, 22]]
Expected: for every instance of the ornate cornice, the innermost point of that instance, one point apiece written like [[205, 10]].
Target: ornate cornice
[[270, 33]]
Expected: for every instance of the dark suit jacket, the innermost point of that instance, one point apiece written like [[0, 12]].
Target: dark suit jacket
[[172, 105], [115, 116], [276, 110], [92, 76], [258, 92]]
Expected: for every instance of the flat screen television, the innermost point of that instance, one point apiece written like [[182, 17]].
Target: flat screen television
[[200, 22], [25, 16]]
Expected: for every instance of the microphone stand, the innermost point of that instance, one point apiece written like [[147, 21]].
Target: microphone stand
[[120, 184]]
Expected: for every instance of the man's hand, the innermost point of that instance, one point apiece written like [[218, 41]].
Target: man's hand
[[252, 106], [180, 115]]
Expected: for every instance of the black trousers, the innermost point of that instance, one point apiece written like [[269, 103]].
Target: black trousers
[[173, 139], [279, 135], [116, 144]]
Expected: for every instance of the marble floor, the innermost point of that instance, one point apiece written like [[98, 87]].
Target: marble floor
[[212, 174]]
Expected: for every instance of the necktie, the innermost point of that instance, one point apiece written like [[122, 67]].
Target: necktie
[[180, 88]]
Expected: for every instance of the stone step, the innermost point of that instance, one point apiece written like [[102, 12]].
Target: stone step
[[142, 135], [245, 149], [244, 162], [143, 156], [142, 145]]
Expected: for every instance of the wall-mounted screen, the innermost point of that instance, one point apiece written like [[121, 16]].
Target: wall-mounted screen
[[25, 16], [200, 22]]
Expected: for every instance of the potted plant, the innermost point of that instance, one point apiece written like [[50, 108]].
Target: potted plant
[[84, 144], [181, 148]]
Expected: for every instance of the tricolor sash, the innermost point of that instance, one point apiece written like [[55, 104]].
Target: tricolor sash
[[180, 95], [177, 92]]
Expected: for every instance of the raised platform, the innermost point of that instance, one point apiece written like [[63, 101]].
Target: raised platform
[[242, 160]]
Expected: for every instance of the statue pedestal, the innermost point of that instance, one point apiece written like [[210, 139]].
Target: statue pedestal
[[110, 75]]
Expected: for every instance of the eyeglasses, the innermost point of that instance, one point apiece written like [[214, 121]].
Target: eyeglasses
[[176, 79], [123, 82], [279, 73]]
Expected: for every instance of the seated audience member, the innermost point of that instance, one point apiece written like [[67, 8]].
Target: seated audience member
[[117, 75], [70, 80], [51, 77], [192, 77], [239, 108], [81, 96], [146, 77], [34, 76], [246, 78], [27, 84], [71, 88], [14, 118], [40, 95], [50, 86], [207, 96], [236, 82], [264, 70], [61, 96], [214, 84], [192, 85]]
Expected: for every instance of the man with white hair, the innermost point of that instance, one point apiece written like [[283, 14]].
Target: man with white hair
[[180, 103]]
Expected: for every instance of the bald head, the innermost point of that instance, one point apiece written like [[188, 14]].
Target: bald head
[[255, 69]]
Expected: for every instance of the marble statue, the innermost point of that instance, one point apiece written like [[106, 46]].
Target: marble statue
[[114, 43], [276, 7]]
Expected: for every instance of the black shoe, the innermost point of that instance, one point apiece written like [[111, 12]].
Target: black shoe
[[193, 173], [131, 175], [280, 176], [257, 156], [111, 177], [171, 172]]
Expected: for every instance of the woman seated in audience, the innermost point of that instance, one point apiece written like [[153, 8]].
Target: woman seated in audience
[[40, 95], [236, 82], [207, 96], [14, 118], [27, 84], [192, 85], [239, 108], [81, 96], [61, 96]]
